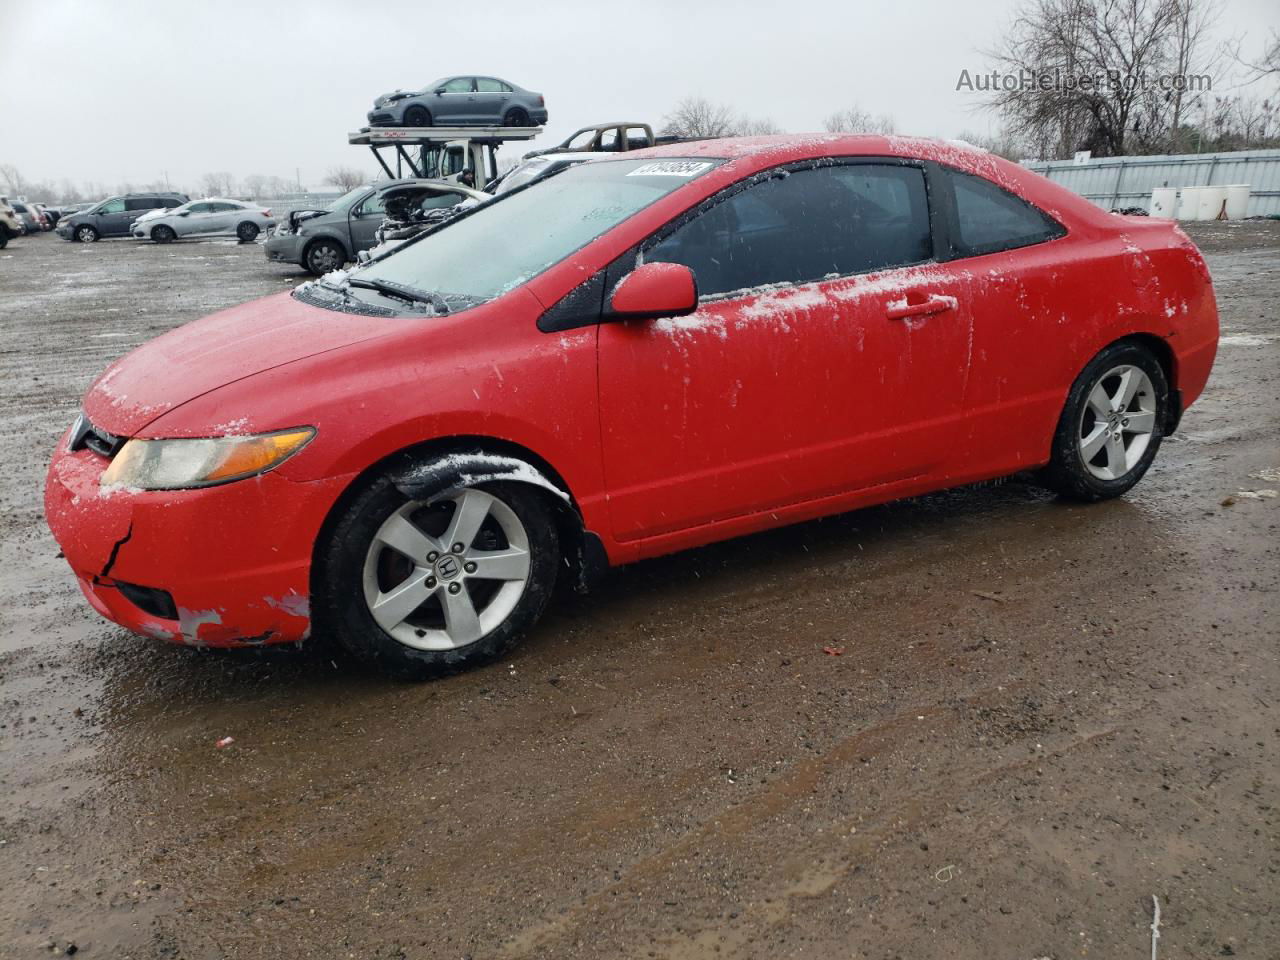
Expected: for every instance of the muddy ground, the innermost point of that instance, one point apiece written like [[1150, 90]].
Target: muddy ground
[[1043, 715]]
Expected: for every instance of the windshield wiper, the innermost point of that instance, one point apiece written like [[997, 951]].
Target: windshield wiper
[[401, 292]]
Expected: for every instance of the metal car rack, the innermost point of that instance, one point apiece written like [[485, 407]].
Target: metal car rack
[[432, 141]]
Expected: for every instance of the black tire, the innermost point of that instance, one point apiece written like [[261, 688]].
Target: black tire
[[516, 117], [247, 232], [4, 236], [163, 234], [86, 234], [324, 255], [417, 117], [1067, 473], [343, 614]]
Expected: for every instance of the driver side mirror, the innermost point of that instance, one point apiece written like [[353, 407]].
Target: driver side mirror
[[654, 290], [185, 213], [439, 90]]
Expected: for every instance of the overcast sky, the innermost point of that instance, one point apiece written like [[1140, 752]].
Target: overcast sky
[[134, 90]]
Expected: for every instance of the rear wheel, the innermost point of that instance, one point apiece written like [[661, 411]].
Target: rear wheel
[[86, 234], [4, 236], [420, 588], [516, 117], [247, 232], [163, 234], [417, 117], [1111, 426], [324, 256]]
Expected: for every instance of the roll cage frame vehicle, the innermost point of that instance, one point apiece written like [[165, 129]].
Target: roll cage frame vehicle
[[630, 357], [458, 101], [324, 240]]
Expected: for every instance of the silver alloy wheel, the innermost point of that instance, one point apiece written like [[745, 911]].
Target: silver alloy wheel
[[325, 257], [445, 591], [86, 234], [1117, 422]]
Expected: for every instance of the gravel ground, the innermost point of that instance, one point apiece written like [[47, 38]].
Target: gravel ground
[[1043, 714]]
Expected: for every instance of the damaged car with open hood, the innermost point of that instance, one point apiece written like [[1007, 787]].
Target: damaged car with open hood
[[630, 357], [324, 239]]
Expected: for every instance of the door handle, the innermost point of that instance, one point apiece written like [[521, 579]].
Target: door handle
[[903, 309]]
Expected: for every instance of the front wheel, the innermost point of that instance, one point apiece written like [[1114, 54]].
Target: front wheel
[[1111, 426], [421, 588], [247, 232], [324, 256], [417, 117], [86, 234], [163, 234]]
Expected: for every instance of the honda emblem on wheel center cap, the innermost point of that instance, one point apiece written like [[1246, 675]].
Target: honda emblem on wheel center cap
[[448, 567]]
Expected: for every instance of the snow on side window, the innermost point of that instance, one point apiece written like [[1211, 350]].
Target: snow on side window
[[990, 218]]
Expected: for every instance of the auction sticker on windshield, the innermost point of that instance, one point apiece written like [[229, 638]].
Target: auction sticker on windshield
[[670, 168]]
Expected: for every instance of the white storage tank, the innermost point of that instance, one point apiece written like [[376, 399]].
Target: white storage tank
[[1164, 202], [1211, 202], [1237, 201], [1189, 203]]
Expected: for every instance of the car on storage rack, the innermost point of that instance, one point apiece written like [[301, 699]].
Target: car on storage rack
[[632, 357], [114, 216], [323, 240], [211, 216], [460, 101]]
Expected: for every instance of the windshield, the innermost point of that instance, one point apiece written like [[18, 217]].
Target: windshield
[[505, 243], [348, 198]]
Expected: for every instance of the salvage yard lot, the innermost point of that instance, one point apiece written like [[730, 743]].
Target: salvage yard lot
[[980, 717]]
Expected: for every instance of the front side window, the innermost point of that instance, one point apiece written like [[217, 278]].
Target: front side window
[[804, 225], [112, 206], [507, 242], [374, 204], [458, 85], [201, 207], [990, 218]]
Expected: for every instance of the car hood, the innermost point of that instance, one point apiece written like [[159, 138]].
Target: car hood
[[152, 214], [217, 350]]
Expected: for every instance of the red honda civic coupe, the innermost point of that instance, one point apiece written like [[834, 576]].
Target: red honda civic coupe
[[631, 357]]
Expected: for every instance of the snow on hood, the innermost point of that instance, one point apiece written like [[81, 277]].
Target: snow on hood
[[214, 351]]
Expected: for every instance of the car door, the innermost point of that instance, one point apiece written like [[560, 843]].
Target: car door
[[225, 217], [456, 102], [363, 221], [828, 353], [111, 219], [196, 220], [491, 99]]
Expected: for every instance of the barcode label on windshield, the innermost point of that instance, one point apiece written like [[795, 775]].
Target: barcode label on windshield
[[670, 168]]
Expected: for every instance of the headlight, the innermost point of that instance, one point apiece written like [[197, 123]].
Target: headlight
[[181, 464]]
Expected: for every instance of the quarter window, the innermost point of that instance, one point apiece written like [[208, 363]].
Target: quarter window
[[804, 225], [990, 218]]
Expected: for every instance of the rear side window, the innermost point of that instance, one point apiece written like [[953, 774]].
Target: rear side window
[[141, 203], [490, 85], [805, 225], [170, 202], [990, 218]]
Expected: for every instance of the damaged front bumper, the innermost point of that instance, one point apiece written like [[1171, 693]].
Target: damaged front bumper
[[281, 247], [224, 566]]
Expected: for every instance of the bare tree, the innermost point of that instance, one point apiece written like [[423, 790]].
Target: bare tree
[[221, 184], [756, 127], [1105, 73], [999, 143], [853, 119], [12, 178], [345, 178], [699, 117]]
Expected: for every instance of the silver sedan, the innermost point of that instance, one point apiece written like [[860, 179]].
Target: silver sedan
[[208, 217]]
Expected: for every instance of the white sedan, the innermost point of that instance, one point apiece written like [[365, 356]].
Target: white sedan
[[211, 216]]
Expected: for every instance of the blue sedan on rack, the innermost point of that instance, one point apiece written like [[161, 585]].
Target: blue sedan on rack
[[460, 101]]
